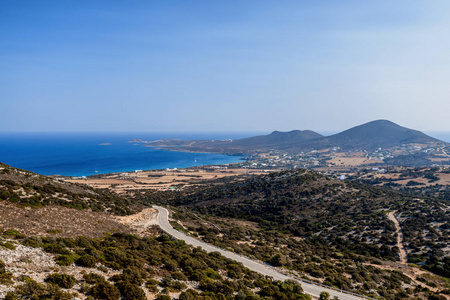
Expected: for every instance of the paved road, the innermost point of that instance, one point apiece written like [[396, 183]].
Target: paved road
[[311, 289]]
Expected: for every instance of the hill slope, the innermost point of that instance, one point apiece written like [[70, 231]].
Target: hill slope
[[372, 135], [277, 140], [376, 134], [31, 189], [349, 215]]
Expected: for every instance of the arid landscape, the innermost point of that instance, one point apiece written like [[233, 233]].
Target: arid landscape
[[164, 179], [356, 217], [220, 150]]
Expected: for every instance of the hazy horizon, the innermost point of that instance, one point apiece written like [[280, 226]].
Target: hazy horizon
[[113, 66], [441, 135]]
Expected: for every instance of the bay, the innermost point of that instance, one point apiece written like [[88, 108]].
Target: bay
[[84, 154]]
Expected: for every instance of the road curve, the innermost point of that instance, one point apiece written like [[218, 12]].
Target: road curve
[[311, 289]]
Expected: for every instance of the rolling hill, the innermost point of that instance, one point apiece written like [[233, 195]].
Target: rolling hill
[[373, 135], [34, 190], [277, 139], [300, 213], [369, 136]]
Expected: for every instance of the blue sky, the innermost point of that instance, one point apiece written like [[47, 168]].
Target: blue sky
[[223, 65]]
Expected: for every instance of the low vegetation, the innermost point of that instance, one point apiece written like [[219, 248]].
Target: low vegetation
[[332, 231], [157, 265], [30, 189]]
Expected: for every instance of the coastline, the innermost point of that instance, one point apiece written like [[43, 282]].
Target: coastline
[[171, 165], [82, 154], [234, 165], [182, 149]]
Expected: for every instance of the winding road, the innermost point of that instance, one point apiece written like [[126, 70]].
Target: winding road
[[311, 289]]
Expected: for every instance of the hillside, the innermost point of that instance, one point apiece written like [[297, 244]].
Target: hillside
[[370, 136], [123, 266], [373, 135], [30, 189], [305, 204], [317, 214], [334, 232], [53, 246], [274, 140]]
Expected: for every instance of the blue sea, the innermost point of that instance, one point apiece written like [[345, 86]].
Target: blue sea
[[82, 154], [443, 136]]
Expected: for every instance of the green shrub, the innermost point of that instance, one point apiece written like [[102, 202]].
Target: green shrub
[[189, 295], [2, 267], [83, 242], [66, 260], [8, 245], [178, 286], [151, 282], [105, 291], [6, 278], [324, 296], [130, 275], [34, 242], [93, 278], [62, 280], [179, 276], [56, 249], [11, 232], [69, 242], [131, 291], [14, 234], [33, 290], [87, 261], [11, 296]]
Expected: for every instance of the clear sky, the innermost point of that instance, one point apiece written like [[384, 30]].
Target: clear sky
[[223, 65]]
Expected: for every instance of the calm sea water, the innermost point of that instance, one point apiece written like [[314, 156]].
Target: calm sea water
[[81, 154], [443, 136]]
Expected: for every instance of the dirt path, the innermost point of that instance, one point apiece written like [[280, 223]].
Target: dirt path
[[403, 257], [140, 221]]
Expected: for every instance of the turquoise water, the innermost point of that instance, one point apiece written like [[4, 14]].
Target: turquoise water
[[81, 154]]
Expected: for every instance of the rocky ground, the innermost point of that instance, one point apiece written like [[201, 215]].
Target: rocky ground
[[58, 221], [37, 264]]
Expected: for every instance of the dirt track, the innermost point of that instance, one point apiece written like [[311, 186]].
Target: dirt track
[[402, 250]]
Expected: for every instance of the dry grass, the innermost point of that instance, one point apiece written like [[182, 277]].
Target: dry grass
[[58, 221], [161, 180], [353, 161]]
